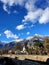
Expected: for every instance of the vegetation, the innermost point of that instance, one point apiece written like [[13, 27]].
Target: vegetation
[[46, 45], [19, 46], [36, 48]]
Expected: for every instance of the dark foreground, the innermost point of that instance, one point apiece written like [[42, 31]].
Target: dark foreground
[[15, 61]]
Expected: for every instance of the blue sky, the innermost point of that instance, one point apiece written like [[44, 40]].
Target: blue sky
[[20, 19]]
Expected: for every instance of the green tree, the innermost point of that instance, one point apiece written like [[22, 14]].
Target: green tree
[[38, 47], [19, 46], [46, 45]]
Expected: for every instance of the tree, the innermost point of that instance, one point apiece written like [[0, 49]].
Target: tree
[[28, 49], [38, 47], [19, 46], [46, 45], [4, 51]]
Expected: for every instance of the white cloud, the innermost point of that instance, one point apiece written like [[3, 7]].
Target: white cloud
[[9, 34], [18, 40], [5, 41], [31, 26], [20, 27], [30, 37], [42, 16], [45, 16], [29, 5], [28, 33], [5, 9], [0, 34], [33, 13], [11, 3], [33, 16]]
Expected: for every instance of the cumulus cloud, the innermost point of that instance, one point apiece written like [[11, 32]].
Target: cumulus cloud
[[5, 9], [33, 15], [11, 3], [35, 10], [9, 34], [40, 15], [45, 16], [28, 33], [29, 5], [20, 27]]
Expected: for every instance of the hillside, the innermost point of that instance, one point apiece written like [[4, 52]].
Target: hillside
[[34, 43]]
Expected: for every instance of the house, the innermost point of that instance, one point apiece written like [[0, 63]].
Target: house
[[23, 50]]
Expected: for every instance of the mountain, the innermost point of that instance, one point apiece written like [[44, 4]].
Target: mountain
[[30, 40], [10, 45], [2, 44]]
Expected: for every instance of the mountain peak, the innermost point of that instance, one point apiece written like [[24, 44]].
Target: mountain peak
[[38, 35]]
